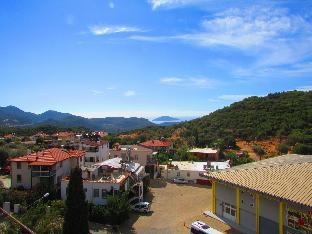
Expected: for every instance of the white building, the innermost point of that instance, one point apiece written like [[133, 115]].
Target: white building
[[193, 171], [138, 154], [96, 151], [107, 178], [48, 167]]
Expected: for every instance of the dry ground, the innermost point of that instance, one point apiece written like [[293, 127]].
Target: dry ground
[[173, 206]]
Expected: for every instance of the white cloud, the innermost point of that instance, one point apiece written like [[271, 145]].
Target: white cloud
[[305, 88], [151, 38], [170, 80], [250, 27], [192, 81], [170, 3], [99, 30], [96, 92], [233, 97], [130, 93], [111, 5]]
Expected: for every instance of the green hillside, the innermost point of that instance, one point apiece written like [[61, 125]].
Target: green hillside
[[283, 115]]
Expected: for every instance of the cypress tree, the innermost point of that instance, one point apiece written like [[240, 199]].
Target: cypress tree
[[76, 212]]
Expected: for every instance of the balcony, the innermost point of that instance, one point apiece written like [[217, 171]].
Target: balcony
[[42, 172]]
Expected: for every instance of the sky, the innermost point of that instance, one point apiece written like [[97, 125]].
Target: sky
[[148, 58]]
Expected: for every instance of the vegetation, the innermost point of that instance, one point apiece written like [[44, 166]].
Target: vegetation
[[76, 211], [237, 160], [286, 114], [282, 148], [115, 212]]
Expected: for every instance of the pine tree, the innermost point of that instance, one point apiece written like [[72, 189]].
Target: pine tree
[[76, 212]]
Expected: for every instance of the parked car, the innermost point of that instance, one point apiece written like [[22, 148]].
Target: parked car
[[143, 207], [199, 227], [179, 180]]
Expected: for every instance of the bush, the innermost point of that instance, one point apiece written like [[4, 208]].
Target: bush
[[282, 148], [118, 208], [302, 149], [98, 214]]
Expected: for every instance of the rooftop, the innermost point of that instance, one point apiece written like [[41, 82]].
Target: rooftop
[[203, 150], [156, 143], [48, 157], [199, 166], [287, 177]]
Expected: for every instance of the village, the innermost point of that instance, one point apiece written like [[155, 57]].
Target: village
[[206, 195]]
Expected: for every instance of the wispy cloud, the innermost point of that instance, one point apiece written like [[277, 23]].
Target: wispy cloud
[[192, 81], [100, 30], [170, 3], [130, 93], [233, 97], [96, 92], [305, 88]]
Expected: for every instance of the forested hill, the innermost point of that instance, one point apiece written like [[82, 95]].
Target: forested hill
[[275, 115]]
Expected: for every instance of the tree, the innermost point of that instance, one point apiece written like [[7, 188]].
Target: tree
[[76, 210], [302, 149], [282, 148], [118, 207], [4, 155]]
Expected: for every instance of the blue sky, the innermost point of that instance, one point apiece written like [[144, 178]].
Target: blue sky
[[150, 57]]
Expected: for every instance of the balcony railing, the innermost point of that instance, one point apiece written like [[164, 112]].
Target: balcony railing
[[43, 173]]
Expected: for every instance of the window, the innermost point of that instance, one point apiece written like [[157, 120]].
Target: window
[[61, 164], [96, 192], [91, 159], [104, 193], [230, 209], [178, 173], [18, 178], [136, 157], [19, 165], [188, 174], [85, 190]]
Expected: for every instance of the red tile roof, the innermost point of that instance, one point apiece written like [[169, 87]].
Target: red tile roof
[[48, 157], [156, 143]]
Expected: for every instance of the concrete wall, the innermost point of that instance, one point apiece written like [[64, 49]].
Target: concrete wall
[[186, 174], [25, 172], [100, 156], [138, 156], [89, 187]]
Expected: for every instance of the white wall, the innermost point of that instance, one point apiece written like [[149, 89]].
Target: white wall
[[90, 186], [186, 174], [100, 156], [25, 172]]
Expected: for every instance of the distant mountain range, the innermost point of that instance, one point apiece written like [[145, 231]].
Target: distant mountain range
[[166, 119], [12, 116]]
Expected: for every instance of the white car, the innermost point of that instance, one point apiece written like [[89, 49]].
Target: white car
[[179, 180], [199, 227], [143, 207]]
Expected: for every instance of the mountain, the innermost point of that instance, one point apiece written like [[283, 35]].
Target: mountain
[[166, 119], [11, 116], [55, 115], [276, 115]]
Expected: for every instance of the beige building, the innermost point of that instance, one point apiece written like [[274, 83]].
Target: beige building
[[269, 196], [48, 167], [137, 154]]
